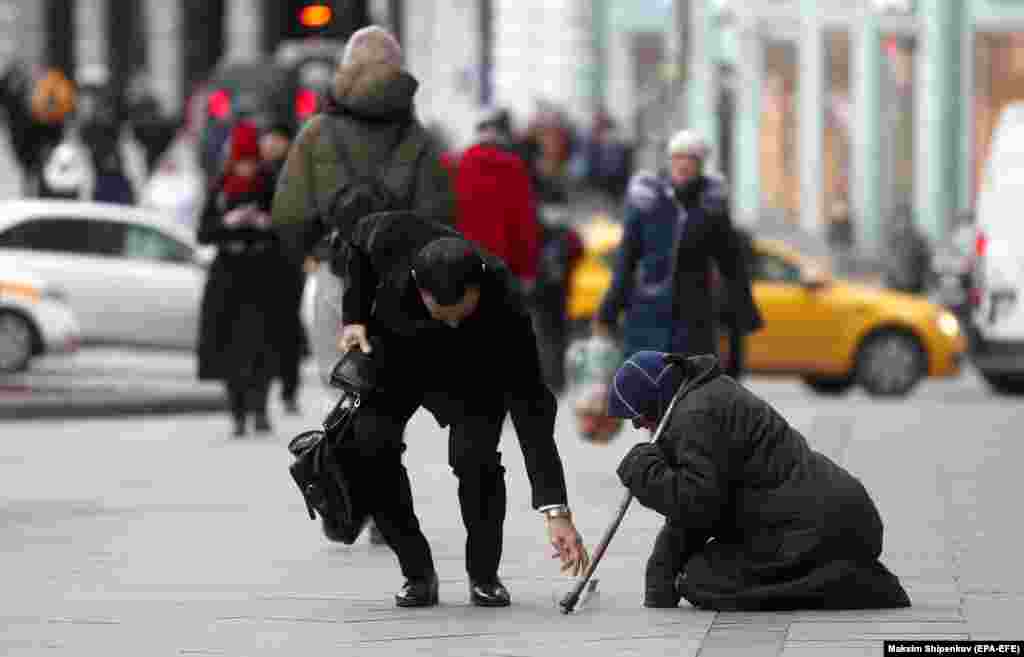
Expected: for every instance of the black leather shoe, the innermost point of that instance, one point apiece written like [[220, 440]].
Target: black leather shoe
[[489, 593], [418, 592]]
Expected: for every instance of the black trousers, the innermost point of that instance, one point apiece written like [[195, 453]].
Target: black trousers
[[383, 481], [248, 384]]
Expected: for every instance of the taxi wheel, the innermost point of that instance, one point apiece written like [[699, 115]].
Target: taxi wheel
[[16, 337], [890, 364], [829, 385]]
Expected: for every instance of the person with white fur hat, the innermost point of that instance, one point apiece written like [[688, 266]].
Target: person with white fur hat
[[675, 226]]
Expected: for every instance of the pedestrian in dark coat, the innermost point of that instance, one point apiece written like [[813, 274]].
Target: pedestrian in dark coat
[[755, 518], [293, 345], [452, 335], [641, 289], [240, 317], [702, 233]]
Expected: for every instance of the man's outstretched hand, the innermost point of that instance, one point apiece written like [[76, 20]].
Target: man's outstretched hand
[[566, 540]]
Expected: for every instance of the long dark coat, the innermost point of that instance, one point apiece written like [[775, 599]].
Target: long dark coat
[[244, 310], [788, 527], [662, 278]]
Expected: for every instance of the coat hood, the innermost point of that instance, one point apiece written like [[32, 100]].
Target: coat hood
[[373, 91]]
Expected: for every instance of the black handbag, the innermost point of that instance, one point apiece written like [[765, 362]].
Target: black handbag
[[320, 469]]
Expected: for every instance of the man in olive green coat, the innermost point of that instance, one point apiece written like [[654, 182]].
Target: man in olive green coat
[[371, 112]]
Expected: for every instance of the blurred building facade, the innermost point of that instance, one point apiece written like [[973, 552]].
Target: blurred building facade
[[861, 107], [467, 53]]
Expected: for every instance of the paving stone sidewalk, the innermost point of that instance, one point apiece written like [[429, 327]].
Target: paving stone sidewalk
[[166, 537]]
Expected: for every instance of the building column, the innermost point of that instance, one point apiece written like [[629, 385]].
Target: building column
[[164, 40], [866, 156], [701, 80], [938, 150], [811, 140], [599, 33], [676, 54], [22, 33], [243, 28], [91, 47], [746, 173]]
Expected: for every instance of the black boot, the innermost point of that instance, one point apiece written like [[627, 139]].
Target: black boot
[[489, 593], [418, 592], [239, 430], [261, 423], [672, 549]]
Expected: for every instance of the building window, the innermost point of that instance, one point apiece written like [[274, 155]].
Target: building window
[[897, 124], [60, 36], [998, 81], [780, 170], [127, 42], [838, 117], [204, 41]]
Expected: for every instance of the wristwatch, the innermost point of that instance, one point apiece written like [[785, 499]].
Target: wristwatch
[[556, 511]]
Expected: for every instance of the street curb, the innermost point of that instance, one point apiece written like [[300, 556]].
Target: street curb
[[107, 407]]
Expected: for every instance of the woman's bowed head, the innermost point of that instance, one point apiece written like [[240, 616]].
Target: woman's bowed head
[[643, 388]]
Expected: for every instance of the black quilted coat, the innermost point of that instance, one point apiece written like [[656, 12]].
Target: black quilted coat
[[756, 519]]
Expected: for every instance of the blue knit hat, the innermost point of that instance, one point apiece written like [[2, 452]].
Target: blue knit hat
[[644, 386]]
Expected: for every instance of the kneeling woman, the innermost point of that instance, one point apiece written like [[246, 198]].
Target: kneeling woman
[[755, 519]]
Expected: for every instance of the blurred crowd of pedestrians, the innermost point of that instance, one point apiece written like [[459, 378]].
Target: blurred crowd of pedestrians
[[75, 138]]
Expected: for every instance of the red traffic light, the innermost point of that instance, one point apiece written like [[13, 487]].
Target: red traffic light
[[315, 15], [219, 104]]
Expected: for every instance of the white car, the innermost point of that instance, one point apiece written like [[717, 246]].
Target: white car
[[998, 344], [131, 275], [34, 320]]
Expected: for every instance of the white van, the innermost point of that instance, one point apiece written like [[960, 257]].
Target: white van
[[999, 344]]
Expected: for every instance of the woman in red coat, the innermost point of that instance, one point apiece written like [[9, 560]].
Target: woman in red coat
[[495, 203]]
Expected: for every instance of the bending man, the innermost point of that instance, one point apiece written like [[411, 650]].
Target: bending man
[[451, 334]]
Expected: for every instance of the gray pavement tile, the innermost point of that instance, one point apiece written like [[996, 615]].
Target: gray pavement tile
[[995, 616], [831, 649], [803, 631]]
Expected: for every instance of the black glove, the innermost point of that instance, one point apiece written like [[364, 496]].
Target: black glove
[[636, 462]]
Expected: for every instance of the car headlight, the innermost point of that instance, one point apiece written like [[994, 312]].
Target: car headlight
[[948, 324], [20, 289]]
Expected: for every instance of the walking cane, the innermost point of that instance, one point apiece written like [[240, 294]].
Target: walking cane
[[569, 602]]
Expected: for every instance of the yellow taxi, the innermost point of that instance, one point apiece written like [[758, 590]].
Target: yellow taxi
[[832, 333]]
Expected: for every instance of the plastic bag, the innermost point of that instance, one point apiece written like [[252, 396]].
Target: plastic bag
[[591, 364]]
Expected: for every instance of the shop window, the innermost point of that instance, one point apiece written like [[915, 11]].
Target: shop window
[[898, 124], [780, 170], [998, 81], [838, 118]]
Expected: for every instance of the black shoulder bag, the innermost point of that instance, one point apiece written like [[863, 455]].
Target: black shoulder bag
[[320, 469]]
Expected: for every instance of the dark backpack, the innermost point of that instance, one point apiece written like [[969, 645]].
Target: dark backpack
[[387, 187]]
